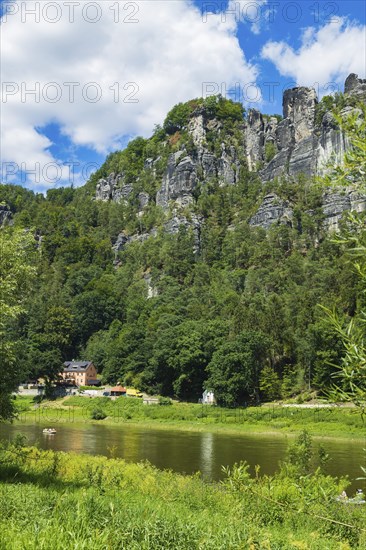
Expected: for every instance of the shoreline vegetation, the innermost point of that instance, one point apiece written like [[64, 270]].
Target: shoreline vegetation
[[65, 500], [332, 422]]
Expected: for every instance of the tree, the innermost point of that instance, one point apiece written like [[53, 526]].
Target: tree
[[351, 373], [16, 277], [235, 367], [177, 118], [269, 384]]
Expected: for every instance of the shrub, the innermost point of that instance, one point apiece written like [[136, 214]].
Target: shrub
[[165, 401], [98, 414]]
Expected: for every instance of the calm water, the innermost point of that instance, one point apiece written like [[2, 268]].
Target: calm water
[[187, 452]]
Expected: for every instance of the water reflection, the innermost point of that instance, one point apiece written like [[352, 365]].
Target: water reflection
[[186, 451], [207, 454]]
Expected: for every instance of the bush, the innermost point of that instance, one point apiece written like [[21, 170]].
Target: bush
[[165, 401], [98, 414]]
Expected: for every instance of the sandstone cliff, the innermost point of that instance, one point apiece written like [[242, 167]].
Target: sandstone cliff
[[299, 143]]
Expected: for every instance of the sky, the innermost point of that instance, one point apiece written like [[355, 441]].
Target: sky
[[80, 78]]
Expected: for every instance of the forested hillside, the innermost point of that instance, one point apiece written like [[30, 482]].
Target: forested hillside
[[167, 282]]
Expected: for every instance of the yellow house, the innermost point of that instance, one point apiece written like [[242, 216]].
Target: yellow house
[[79, 373]]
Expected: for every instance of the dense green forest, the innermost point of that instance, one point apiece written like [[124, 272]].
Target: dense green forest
[[240, 315]]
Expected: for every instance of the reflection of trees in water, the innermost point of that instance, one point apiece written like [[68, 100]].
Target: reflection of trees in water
[[72, 440], [131, 448], [185, 452]]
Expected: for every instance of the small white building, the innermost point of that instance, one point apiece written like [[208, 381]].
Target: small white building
[[208, 398]]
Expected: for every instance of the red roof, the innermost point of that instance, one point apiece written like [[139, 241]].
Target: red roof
[[119, 389]]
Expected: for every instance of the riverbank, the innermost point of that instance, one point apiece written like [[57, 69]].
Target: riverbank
[[63, 500], [331, 422]]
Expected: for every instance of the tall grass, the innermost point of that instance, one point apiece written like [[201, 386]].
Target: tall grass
[[58, 501]]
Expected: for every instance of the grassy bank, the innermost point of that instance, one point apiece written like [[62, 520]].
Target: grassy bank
[[324, 422], [61, 500]]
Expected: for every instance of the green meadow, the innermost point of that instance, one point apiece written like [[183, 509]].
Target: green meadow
[[61, 500]]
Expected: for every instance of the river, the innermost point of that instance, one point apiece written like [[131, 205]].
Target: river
[[188, 452]]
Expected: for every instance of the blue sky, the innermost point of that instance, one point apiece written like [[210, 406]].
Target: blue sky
[[77, 85]]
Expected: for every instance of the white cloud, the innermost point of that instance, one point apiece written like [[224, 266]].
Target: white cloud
[[326, 55], [168, 53], [247, 11]]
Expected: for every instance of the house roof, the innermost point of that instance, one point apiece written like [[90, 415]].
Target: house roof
[[120, 389], [94, 382], [76, 366]]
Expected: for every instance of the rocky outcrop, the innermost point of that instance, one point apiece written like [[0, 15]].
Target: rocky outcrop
[[335, 204], [293, 145], [300, 146], [184, 172], [299, 143], [113, 188], [331, 145], [293, 137], [299, 108], [179, 181], [123, 239], [173, 225], [5, 215], [273, 210], [355, 86], [290, 142]]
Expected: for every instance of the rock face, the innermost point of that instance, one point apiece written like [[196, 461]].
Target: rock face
[[194, 222], [331, 144], [298, 143], [294, 136], [272, 210], [171, 226], [179, 180], [5, 215], [123, 239], [355, 86], [112, 188], [291, 141], [300, 146], [335, 204]]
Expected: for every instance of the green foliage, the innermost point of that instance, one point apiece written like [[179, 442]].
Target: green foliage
[[98, 414], [58, 497], [270, 150], [300, 453], [177, 118], [235, 367], [350, 371], [213, 107], [16, 278], [333, 104], [269, 384], [223, 109], [301, 458], [353, 170], [165, 401], [174, 312]]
